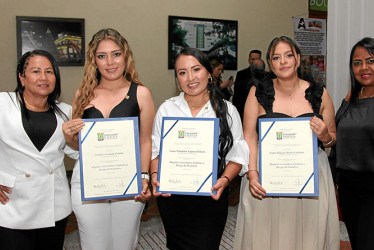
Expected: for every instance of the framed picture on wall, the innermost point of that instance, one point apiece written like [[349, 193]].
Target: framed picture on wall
[[62, 37], [217, 38]]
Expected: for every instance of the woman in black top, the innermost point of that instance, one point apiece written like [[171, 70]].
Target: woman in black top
[[111, 88], [34, 190], [355, 146]]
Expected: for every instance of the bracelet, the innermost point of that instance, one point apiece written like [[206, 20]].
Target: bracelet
[[326, 144], [155, 172], [225, 176], [249, 170], [145, 175]]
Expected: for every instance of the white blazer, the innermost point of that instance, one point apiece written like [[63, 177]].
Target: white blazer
[[40, 191]]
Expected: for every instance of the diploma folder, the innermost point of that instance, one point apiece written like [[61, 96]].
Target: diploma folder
[[188, 159], [109, 155], [288, 157]]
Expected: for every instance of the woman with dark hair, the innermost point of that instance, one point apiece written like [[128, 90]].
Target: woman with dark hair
[[193, 222], [223, 86], [354, 147], [266, 222], [34, 190], [110, 88]]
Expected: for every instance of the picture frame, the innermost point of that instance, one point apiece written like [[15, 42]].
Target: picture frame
[[218, 38], [64, 38]]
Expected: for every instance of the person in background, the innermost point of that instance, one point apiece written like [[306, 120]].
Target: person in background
[[242, 81], [197, 222], [34, 190], [288, 222], [110, 88], [258, 74], [224, 86], [354, 148]]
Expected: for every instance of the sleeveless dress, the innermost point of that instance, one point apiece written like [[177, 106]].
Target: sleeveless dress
[[108, 224], [289, 223]]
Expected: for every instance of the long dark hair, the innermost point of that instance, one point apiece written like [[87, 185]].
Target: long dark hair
[[52, 97], [368, 44], [218, 104]]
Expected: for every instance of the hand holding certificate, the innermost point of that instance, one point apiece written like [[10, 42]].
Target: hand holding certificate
[[288, 162], [109, 158], [188, 155]]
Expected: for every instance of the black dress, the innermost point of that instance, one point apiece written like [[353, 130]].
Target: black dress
[[127, 108]]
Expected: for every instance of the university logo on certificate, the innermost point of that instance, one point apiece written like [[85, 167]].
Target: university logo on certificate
[[188, 155], [110, 158], [288, 157]]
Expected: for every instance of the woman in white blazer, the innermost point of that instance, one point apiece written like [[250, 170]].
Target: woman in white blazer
[[34, 191]]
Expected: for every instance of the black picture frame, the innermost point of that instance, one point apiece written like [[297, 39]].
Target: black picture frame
[[64, 38], [216, 37]]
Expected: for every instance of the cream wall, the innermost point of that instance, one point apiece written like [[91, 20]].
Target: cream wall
[[144, 24]]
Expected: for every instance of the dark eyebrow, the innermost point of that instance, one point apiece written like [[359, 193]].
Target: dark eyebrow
[[370, 57]]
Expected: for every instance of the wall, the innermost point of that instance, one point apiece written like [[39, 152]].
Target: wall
[[144, 24]]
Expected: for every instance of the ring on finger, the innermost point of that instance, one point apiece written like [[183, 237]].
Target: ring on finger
[[71, 129]]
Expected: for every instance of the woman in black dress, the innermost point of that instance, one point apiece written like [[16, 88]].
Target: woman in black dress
[[355, 146]]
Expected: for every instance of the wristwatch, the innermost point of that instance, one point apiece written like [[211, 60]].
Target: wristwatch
[[145, 175]]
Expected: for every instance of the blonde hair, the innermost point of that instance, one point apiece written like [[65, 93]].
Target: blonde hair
[[92, 75]]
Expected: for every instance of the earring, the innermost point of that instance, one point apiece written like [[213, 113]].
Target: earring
[[210, 80]]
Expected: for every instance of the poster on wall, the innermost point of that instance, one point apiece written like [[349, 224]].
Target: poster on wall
[[64, 38], [216, 37], [310, 36]]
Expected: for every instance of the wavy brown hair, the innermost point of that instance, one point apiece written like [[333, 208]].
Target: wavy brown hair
[[92, 75]]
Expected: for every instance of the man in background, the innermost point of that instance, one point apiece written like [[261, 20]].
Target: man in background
[[243, 80]]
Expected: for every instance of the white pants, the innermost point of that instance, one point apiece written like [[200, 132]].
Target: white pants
[[107, 225]]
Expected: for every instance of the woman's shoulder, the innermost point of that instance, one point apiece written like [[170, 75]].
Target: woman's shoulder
[[7, 94], [63, 106], [230, 106], [265, 93], [143, 90], [171, 103], [6, 97]]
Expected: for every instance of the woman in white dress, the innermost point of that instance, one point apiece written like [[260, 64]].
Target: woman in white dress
[[288, 223]]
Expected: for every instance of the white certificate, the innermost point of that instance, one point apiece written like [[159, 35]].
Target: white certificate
[[109, 158], [288, 157], [188, 155]]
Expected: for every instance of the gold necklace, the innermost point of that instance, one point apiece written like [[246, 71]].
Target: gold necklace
[[199, 106], [46, 106], [362, 94]]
